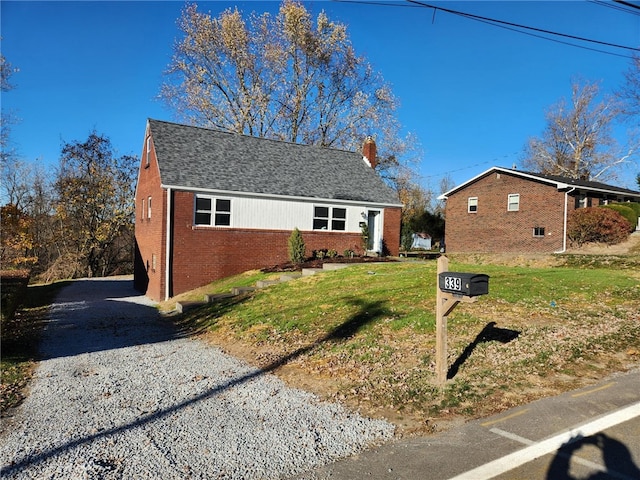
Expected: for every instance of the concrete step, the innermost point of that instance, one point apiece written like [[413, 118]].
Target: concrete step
[[214, 297], [287, 277], [335, 266], [310, 271], [266, 283], [182, 307], [241, 290]]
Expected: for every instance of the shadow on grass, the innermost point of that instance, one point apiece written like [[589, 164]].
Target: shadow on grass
[[489, 333], [367, 313]]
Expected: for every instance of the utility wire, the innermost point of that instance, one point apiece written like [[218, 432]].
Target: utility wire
[[511, 24], [613, 6], [627, 4], [508, 25]]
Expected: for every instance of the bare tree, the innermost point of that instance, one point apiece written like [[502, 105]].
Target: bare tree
[[7, 118], [577, 141], [286, 77], [629, 93]]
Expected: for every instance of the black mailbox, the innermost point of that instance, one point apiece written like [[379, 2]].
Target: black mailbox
[[467, 284]]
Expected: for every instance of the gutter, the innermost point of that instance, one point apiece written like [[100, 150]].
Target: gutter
[[167, 263], [566, 214]]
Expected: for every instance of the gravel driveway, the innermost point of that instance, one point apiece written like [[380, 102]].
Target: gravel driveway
[[120, 395]]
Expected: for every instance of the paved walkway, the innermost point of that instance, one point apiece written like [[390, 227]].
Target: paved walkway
[[592, 433]]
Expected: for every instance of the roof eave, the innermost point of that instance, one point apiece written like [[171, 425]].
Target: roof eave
[[559, 185], [280, 197]]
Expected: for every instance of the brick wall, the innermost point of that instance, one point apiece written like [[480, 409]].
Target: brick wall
[[391, 230], [493, 229], [204, 254], [150, 232]]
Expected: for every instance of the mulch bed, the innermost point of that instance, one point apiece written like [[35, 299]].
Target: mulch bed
[[318, 262]]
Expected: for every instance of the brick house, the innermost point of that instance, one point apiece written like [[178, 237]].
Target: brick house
[[210, 204], [510, 211]]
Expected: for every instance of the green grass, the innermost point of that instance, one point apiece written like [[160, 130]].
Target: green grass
[[366, 333], [369, 331], [20, 338]]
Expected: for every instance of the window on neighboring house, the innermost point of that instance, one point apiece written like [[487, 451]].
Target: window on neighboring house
[[513, 203], [213, 211], [149, 207], [323, 217], [581, 201], [148, 152], [538, 232], [472, 204]]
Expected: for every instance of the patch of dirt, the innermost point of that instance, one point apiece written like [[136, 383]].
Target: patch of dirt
[[632, 245]]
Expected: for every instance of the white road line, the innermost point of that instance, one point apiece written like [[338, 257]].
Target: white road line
[[512, 436], [520, 457]]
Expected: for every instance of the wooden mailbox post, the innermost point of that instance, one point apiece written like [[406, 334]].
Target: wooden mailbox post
[[452, 288]]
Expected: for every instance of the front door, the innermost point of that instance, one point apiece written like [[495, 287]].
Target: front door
[[373, 222]]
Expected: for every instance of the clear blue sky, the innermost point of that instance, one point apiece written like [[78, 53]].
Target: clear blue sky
[[472, 93]]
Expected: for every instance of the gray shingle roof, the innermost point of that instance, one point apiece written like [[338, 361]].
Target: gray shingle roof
[[200, 158]]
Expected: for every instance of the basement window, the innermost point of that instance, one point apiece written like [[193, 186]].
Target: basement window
[[325, 217], [212, 211], [538, 232], [472, 204]]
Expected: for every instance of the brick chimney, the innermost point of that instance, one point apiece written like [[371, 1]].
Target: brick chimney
[[369, 151]]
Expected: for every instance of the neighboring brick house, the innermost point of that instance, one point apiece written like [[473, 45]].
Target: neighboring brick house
[[211, 204], [510, 211]]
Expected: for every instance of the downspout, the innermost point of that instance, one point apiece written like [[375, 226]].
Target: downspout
[[167, 262], [566, 214]]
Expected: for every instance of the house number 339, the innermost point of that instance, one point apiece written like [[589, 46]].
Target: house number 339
[[452, 283]]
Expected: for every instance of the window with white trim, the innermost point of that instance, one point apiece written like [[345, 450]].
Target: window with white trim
[[210, 211], [149, 207], [513, 202], [472, 204], [329, 218], [538, 232]]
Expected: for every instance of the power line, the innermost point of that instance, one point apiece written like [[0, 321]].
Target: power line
[[511, 26], [628, 4], [613, 6]]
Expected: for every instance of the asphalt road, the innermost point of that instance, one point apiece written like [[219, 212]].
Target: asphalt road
[[591, 433]]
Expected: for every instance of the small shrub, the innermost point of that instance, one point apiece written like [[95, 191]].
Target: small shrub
[[364, 232], [332, 253], [594, 224], [296, 247], [348, 253], [626, 211]]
